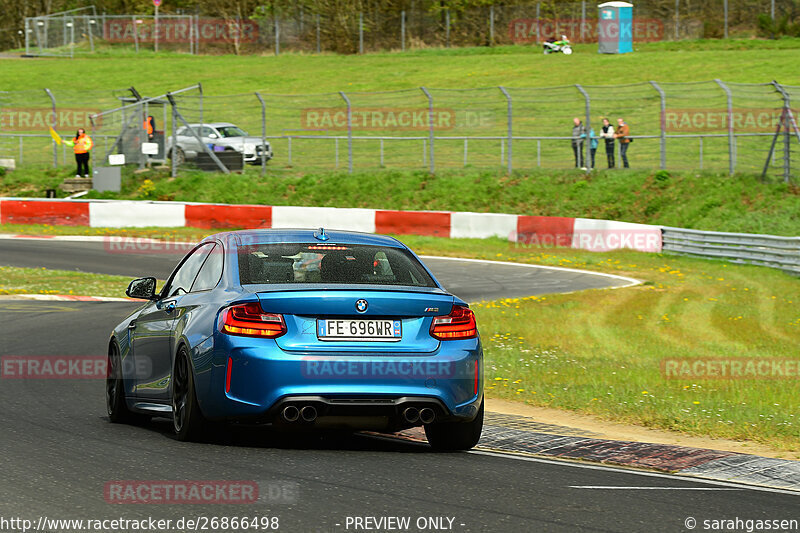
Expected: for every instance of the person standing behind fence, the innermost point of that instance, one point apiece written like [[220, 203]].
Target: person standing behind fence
[[622, 136], [592, 145], [608, 135], [578, 134], [82, 144]]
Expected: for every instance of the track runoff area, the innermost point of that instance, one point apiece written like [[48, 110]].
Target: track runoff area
[[63, 461]]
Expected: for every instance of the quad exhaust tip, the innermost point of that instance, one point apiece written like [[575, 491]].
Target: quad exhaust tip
[[427, 415], [309, 413], [290, 413], [411, 415]]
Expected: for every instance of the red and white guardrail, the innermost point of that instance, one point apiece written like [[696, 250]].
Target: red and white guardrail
[[536, 231]]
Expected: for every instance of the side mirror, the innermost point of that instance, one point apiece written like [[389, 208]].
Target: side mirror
[[213, 136], [143, 288]]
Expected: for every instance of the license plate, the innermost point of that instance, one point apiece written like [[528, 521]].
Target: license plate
[[359, 330]]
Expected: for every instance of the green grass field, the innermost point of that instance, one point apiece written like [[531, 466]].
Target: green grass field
[[542, 87]]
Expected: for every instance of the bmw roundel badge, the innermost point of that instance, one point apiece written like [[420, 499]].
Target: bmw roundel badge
[[361, 305]]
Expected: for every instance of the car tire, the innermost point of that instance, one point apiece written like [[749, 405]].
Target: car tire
[[178, 155], [187, 420], [116, 407], [455, 436]]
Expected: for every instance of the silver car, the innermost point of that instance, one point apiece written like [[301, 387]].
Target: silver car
[[220, 134]]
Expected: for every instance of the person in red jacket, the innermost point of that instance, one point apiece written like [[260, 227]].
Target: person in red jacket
[[82, 144]]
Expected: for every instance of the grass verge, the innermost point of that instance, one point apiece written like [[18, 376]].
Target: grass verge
[[710, 201], [14, 280], [600, 352]]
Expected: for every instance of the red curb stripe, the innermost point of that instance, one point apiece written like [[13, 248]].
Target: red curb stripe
[[432, 224], [549, 231], [229, 216], [61, 213]]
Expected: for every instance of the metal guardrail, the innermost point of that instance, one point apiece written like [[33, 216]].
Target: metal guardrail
[[767, 250]]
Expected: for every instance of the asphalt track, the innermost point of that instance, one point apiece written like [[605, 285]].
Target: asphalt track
[[59, 450]]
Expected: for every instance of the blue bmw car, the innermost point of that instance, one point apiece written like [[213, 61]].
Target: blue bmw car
[[300, 328]]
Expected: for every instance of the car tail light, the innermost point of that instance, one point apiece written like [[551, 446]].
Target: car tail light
[[459, 324], [250, 320]]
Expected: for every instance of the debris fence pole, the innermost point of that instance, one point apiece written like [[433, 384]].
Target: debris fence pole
[[731, 138], [263, 134], [349, 132], [509, 117], [663, 98], [432, 165], [53, 124]]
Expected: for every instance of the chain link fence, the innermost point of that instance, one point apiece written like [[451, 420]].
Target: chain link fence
[[300, 27], [712, 125]]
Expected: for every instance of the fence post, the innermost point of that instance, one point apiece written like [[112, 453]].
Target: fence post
[[135, 33], [431, 163], [587, 162], [53, 124], [677, 14], [319, 48], [725, 13], [349, 132], [509, 115], [663, 124], [583, 18], [174, 159], [200, 89], [491, 25], [361, 32], [403, 30], [789, 124], [277, 37], [447, 27], [538, 23], [263, 133], [731, 140]]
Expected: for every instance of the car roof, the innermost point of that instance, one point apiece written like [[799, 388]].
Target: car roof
[[289, 235], [213, 124]]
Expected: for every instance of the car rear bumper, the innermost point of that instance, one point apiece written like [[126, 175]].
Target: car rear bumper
[[264, 379]]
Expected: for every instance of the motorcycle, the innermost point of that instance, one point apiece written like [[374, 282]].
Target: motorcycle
[[551, 46]]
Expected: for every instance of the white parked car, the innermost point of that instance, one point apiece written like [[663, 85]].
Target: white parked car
[[220, 134]]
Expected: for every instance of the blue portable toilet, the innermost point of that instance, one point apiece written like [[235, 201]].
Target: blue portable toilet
[[615, 28]]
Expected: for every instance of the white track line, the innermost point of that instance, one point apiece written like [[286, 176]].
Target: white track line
[[623, 470], [630, 281]]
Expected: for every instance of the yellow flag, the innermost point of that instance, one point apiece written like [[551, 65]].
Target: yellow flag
[[56, 137]]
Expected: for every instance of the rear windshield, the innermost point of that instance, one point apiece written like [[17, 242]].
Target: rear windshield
[[330, 263]]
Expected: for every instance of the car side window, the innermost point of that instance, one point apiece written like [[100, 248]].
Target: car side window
[[210, 272], [206, 131], [182, 280]]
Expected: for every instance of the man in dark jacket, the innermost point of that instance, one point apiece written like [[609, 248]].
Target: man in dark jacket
[[608, 135], [578, 135], [622, 136]]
